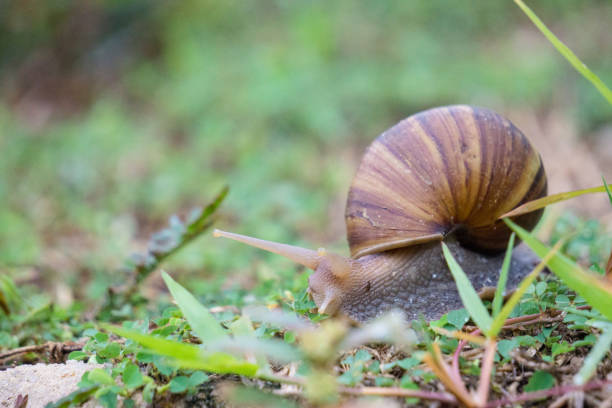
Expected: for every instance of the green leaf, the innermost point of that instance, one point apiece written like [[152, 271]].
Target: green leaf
[[107, 397], [567, 53], [149, 392], [540, 380], [594, 288], [503, 278], [197, 378], [111, 350], [540, 288], [289, 337], [409, 362], [560, 348], [144, 357], [562, 301], [441, 322], [468, 294], [186, 355], [589, 340], [128, 403], [100, 376], [383, 381], [406, 382], [363, 355], [458, 318], [77, 355], [505, 346], [165, 365], [201, 320], [84, 382], [597, 353], [132, 377], [179, 384], [351, 377]]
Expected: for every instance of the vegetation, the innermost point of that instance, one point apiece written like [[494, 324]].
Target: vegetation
[[207, 98]]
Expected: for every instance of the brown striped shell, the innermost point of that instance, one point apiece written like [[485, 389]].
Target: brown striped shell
[[452, 169]]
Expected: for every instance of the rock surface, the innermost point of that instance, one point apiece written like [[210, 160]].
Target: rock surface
[[42, 383]]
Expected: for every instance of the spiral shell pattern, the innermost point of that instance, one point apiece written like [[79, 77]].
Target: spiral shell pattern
[[453, 169]]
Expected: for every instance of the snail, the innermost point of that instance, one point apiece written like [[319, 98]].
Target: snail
[[444, 174]]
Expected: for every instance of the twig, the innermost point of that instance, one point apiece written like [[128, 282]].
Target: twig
[[483, 389], [399, 392], [560, 390], [22, 350], [534, 365], [534, 321], [55, 350], [447, 376], [485, 373], [380, 391], [282, 379]]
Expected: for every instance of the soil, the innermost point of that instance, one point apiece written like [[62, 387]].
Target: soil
[[42, 383]]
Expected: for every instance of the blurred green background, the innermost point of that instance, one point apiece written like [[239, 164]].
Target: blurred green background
[[115, 115]]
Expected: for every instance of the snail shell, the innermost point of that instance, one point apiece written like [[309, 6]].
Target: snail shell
[[445, 174], [449, 169]]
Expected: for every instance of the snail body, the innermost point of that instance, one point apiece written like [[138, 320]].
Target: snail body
[[445, 174]]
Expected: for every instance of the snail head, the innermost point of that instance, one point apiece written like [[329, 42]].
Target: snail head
[[326, 285]]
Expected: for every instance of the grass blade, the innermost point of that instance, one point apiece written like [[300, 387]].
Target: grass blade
[[468, 294], [597, 353], [186, 355], [194, 229], [500, 319], [200, 319], [551, 199], [567, 53], [503, 278], [607, 188], [202, 222], [597, 290], [10, 299]]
